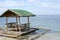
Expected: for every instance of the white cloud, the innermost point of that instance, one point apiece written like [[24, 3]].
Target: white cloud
[[53, 5], [31, 5], [44, 3], [30, 0], [9, 3]]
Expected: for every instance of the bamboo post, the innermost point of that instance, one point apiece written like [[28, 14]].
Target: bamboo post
[[6, 23], [16, 19], [19, 23], [19, 20], [16, 23], [28, 22]]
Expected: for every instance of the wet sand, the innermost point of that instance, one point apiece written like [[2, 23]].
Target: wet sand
[[50, 36]]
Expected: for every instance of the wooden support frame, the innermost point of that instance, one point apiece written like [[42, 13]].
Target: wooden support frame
[[19, 24], [19, 20], [28, 23], [6, 24], [16, 23]]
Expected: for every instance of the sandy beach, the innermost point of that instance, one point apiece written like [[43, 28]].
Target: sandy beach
[[6, 38], [42, 35], [47, 36]]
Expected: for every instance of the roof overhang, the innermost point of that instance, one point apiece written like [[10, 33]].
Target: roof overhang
[[12, 13]]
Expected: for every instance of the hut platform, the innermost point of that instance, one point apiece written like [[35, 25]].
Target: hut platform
[[15, 34], [29, 31]]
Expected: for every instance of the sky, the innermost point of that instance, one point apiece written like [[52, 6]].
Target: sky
[[38, 7]]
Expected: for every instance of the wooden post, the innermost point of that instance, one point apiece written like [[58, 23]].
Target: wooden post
[[19, 24], [28, 22], [19, 20], [6, 24], [16, 19], [16, 23]]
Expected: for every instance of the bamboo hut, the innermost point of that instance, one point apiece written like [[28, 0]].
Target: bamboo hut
[[17, 27]]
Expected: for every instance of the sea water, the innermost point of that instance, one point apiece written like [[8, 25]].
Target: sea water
[[40, 21]]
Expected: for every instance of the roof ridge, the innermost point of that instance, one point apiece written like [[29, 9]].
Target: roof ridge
[[14, 12]]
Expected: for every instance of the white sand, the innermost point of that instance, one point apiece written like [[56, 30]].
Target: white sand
[[47, 36], [6, 38], [50, 36]]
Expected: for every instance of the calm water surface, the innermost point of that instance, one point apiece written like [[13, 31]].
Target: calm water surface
[[40, 21]]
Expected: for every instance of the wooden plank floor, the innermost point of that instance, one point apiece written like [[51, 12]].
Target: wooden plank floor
[[16, 34], [29, 31]]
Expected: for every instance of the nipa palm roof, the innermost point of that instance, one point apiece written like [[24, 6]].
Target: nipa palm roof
[[16, 12]]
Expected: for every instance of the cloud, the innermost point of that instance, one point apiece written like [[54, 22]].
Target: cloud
[[44, 3], [30, 0], [54, 5], [10, 3], [38, 3], [34, 6]]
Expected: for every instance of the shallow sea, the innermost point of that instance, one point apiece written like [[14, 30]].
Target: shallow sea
[[40, 21]]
